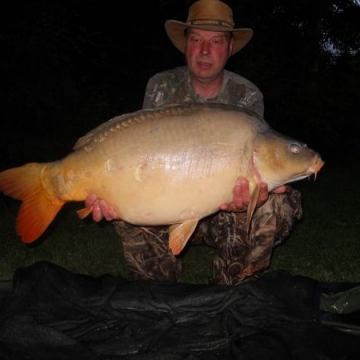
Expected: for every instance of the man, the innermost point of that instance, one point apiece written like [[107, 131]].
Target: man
[[208, 38]]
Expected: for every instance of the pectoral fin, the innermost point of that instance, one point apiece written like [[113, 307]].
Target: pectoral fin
[[179, 234], [84, 212], [252, 206]]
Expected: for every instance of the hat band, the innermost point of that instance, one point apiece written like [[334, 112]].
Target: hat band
[[209, 22]]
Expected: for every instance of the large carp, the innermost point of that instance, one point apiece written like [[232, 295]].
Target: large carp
[[169, 166]]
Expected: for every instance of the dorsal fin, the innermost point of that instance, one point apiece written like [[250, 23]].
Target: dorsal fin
[[117, 123]]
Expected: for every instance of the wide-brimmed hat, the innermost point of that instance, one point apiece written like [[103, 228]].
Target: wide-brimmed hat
[[212, 15]]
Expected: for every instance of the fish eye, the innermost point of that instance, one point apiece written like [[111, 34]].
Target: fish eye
[[295, 148]]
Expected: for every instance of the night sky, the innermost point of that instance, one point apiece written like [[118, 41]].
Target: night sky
[[67, 66]]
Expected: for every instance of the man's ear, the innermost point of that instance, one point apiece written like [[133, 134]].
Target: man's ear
[[231, 46]]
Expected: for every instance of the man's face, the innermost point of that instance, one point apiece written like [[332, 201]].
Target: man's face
[[207, 52]]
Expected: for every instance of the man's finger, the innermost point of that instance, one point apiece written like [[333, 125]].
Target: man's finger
[[97, 214], [107, 211], [279, 190]]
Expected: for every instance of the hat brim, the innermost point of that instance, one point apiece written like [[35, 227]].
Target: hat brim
[[175, 31]]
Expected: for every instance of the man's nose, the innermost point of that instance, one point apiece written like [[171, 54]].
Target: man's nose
[[205, 48]]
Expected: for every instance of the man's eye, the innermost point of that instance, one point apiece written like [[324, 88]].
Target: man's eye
[[217, 41]]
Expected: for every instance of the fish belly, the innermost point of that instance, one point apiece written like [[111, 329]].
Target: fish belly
[[155, 196]]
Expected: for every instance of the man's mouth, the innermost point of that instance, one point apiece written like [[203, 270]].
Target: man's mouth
[[204, 65]]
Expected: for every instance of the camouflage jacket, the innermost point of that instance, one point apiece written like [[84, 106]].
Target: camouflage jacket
[[174, 86]]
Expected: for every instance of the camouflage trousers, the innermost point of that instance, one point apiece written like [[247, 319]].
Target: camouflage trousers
[[239, 255]]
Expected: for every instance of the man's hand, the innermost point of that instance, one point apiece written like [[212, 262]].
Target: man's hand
[[241, 196], [100, 209]]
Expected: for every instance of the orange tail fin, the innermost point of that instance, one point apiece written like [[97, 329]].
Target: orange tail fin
[[38, 208]]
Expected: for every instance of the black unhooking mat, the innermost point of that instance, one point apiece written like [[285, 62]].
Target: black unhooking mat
[[51, 313]]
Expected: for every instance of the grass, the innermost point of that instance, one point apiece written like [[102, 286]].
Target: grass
[[324, 245]]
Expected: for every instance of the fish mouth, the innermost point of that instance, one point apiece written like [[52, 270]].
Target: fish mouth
[[316, 166], [312, 170]]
